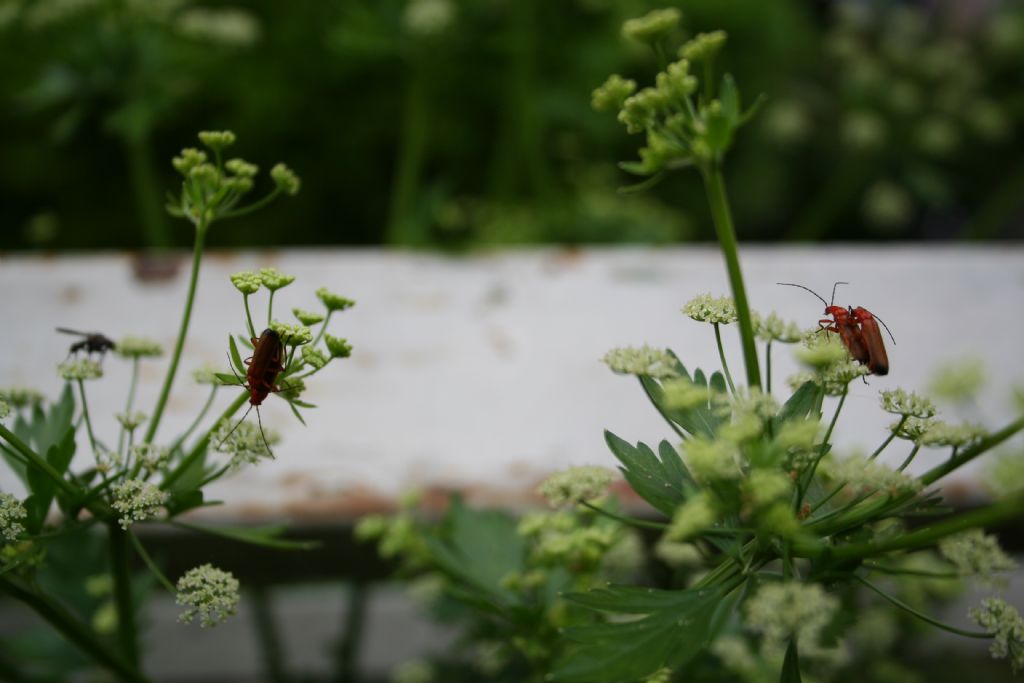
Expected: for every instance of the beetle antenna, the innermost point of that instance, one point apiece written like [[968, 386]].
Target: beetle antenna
[[237, 425], [791, 284], [834, 290], [886, 328], [240, 382]]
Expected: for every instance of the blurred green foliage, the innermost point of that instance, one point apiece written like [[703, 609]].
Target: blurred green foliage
[[465, 122]]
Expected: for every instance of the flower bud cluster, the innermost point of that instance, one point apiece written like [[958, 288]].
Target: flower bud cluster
[[208, 594], [576, 484], [137, 501], [643, 361], [1006, 625], [12, 514]]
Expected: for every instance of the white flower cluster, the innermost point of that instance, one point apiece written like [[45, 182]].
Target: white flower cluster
[[1007, 628], [80, 369], [12, 512], [900, 402], [791, 609], [208, 593], [773, 328], [975, 553], [576, 484], [862, 474], [137, 501], [645, 360], [708, 309]]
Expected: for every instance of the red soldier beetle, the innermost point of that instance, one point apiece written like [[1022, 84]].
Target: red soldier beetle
[[857, 329], [265, 364]]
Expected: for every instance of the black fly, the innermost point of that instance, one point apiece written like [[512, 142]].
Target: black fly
[[92, 342]]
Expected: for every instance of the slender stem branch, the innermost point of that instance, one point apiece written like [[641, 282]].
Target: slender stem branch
[[714, 186], [323, 329], [721, 355], [200, 446], [179, 345], [85, 416], [768, 367], [270, 309], [248, 316], [632, 521], [199, 418], [821, 453], [141, 550], [888, 440], [249, 208], [128, 404], [968, 454], [71, 628], [909, 458], [120, 568], [900, 571], [920, 615]]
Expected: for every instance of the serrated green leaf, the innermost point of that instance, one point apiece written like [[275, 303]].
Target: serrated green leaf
[[676, 628], [801, 405], [236, 358], [791, 665], [266, 536], [42, 486], [479, 548], [647, 475], [696, 420]]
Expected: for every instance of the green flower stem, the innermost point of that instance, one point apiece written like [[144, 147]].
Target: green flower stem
[[85, 416], [128, 403], [631, 521], [714, 186], [768, 367], [721, 355], [673, 425], [71, 628], [179, 345], [888, 440], [991, 515], [821, 453], [195, 423], [920, 615], [323, 329], [255, 206], [141, 550], [248, 316], [968, 454], [120, 569], [200, 446], [270, 309], [900, 571], [35, 460], [215, 476], [909, 458]]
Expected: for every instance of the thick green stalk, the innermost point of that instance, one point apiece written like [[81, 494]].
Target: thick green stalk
[[179, 345], [714, 186], [120, 569], [71, 628], [991, 515], [721, 356], [968, 454]]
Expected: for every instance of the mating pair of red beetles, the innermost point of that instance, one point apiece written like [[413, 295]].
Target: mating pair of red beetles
[[857, 328]]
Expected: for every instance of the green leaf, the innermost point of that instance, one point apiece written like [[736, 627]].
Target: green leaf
[[41, 486], [236, 358], [266, 536], [659, 482], [635, 168], [801, 405], [227, 380], [193, 475], [718, 131], [245, 341], [295, 412], [676, 626], [791, 665], [479, 548]]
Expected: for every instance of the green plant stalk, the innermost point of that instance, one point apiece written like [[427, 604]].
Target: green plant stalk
[[270, 308], [821, 454], [195, 423], [120, 569], [128, 403], [721, 355], [768, 367], [85, 415], [909, 458], [248, 316], [968, 454], [250, 208], [412, 153], [197, 450], [72, 629], [923, 538], [141, 550], [35, 460], [888, 440], [179, 345], [714, 186], [147, 196]]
